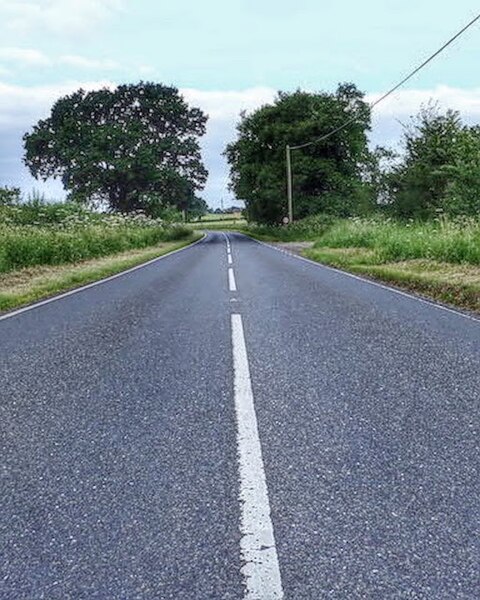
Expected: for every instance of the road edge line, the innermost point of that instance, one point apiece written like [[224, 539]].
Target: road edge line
[[384, 286], [82, 288]]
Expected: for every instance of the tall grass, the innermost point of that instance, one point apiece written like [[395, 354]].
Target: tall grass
[[306, 229], [442, 239], [40, 234]]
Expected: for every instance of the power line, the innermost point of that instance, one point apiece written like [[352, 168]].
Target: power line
[[394, 89]]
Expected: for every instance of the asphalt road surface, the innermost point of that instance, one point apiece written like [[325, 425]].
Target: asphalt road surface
[[233, 422]]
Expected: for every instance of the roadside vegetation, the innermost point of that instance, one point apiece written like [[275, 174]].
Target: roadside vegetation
[[37, 234], [34, 283], [439, 258], [410, 216], [129, 159], [47, 248]]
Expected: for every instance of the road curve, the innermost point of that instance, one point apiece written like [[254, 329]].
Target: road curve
[[232, 422]]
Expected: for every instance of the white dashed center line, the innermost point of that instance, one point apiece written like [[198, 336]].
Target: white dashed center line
[[261, 569], [232, 284]]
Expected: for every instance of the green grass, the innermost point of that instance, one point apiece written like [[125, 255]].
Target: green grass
[[62, 234], [305, 230], [221, 217], [229, 224], [31, 284], [453, 283], [442, 240], [50, 248]]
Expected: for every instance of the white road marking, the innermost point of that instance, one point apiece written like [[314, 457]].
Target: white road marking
[[230, 261], [95, 283], [232, 285], [227, 241], [431, 303], [261, 569]]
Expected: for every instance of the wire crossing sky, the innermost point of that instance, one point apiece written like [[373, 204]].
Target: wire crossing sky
[[395, 88], [227, 57]]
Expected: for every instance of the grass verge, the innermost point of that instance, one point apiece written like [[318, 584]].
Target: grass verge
[[24, 286], [455, 284]]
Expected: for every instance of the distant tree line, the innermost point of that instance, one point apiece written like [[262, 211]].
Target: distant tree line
[[437, 170], [136, 147]]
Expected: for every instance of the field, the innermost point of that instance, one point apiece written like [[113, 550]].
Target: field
[[45, 249], [213, 221], [236, 216]]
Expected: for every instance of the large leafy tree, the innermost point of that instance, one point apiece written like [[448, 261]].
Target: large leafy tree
[[118, 146], [327, 175]]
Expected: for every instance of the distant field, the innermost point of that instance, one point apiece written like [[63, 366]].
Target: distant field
[[235, 220], [213, 217]]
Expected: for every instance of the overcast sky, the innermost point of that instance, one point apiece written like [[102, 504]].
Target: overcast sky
[[229, 55]]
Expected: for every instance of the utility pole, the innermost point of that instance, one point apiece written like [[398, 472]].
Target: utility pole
[[289, 184]]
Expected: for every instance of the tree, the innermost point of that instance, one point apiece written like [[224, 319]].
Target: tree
[[197, 208], [379, 174], [420, 181], [117, 146], [462, 196], [440, 168], [327, 175]]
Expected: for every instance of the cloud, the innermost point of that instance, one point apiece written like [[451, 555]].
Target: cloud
[[21, 107], [24, 106], [390, 116], [61, 17], [407, 102], [228, 105], [223, 109], [82, 62], [24, 56], [28, 57], [146, 70]]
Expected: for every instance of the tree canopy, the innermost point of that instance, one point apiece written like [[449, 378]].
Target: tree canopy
[[439, 168], [327, 175], [122, 147]]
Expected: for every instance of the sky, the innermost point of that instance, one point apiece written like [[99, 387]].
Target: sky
[[226, 56]]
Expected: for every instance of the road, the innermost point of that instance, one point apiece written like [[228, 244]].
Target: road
[[234, 422]]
